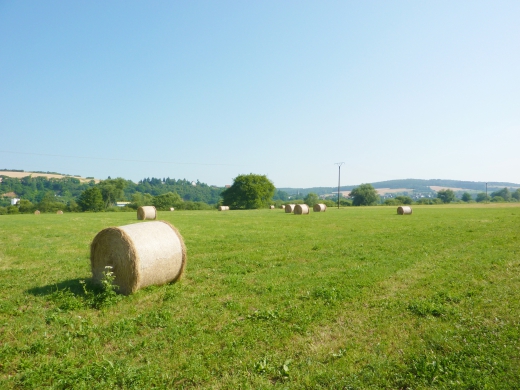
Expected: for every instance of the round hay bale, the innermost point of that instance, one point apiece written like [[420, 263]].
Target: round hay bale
[[271, 207], [146, 212], [319, 207], [59, 212], [37, 212], [172, 208], [289, 208], [141, 254], [404, 210], [223, 208], [301, 209], [282, 207]]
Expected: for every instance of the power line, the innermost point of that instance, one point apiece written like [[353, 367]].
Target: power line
[[118, 159]]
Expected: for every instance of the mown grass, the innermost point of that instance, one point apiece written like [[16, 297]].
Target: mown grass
[[354, 298]]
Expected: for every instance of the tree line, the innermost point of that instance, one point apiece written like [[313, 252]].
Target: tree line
[[250, 191]]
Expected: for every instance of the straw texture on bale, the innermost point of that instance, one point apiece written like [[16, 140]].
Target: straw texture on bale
[[146, 212], [223, 208], [59, 212], [141, 254], [289, 208], [301, 209], [319, 207], [37, 212], [404, 210]]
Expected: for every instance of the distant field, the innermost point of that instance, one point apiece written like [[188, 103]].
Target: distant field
[[353, 298], [18, 175]]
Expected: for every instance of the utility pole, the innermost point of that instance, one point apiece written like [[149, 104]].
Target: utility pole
[[339, 177]]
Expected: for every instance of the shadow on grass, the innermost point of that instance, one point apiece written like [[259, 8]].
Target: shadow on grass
[[75, 286]]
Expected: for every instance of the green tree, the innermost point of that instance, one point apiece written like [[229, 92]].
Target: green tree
[[112, 190], [364, 195], [482, 197], [249, 192], [447, 196], [403, 199], [504, 193], [26, 206], [165, 201], [311, 199], [516, 194], [91, 200], [466, 197]]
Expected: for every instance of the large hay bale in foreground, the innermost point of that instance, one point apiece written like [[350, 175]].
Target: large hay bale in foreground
[[146, 212], [289, 208], [59, 212], [404, 210], [141, 254], [319, 207], [301, 209], [223, 208]]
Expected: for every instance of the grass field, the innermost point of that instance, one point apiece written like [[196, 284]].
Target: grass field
[[355, 298]]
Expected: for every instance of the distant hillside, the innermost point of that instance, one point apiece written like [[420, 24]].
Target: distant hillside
[[417, 185], [49, 175]]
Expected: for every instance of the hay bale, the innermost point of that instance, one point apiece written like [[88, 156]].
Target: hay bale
[[404, 210], [141, 254], [271, 207], [301, 209], [282, 207], [59, 212], [172, 208], [223, 208], [146, 212], [37, 212], [319, 207], [289, 208]]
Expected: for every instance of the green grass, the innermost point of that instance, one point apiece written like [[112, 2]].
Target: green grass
[[355, 298]]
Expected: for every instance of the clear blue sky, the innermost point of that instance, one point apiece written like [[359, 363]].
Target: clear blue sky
[[209, 90]]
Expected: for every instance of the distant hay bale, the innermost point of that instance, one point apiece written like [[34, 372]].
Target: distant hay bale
[[271, 207], [141, 254], [289, 208], [223, 208], [146, 212], [301, 209], [37, 212], [319, 207], [404, 210], [282, 207], [172, 208], [59, 212]]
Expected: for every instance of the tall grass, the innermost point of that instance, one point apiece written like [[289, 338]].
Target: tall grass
[[350, 298]]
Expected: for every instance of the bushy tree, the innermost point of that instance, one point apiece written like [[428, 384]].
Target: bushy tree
[[466, 197], [364, 195], [91, 200], [26, 206], [112, 190], [165, 201], [497, 199], [504, 193], [516, 194], [447, 196], [248, 192], [311, 199], [482, 197]]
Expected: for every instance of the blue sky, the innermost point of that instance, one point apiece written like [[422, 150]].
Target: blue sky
[[208, 90]]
